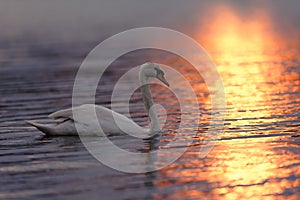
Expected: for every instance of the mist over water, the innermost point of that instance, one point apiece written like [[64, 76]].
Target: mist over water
[[69, 21]]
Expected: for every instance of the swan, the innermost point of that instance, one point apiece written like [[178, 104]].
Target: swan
[[112, 123]]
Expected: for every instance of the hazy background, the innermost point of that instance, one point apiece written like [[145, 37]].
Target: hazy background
[[70, 21], [255, 45]]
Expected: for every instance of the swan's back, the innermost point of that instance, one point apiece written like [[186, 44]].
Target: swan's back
[[112, 123]]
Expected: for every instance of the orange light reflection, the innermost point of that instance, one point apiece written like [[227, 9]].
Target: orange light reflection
[[251, 65]]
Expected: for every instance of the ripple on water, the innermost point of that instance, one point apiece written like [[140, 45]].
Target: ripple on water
[[257, 155]]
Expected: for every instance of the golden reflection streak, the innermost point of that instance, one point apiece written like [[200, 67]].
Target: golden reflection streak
[[253, 75], [245, 53], [238, 169]]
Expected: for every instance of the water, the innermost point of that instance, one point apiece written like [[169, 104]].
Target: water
[[257, 157]]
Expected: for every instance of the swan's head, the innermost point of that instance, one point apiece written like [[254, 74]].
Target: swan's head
[[153, 70]]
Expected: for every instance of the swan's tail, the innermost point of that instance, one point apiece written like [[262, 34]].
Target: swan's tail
[[47, 129]]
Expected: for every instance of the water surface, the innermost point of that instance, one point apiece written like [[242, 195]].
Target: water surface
[[257, 156]]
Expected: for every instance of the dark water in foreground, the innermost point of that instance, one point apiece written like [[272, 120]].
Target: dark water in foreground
[[257, 157]]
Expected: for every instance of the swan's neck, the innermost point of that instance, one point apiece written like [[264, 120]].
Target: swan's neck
[[148, 102]]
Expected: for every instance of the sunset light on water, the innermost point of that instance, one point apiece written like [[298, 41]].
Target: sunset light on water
[[253, 57], [257, 67], [252, 64]]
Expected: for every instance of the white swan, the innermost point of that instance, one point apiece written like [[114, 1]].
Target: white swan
[[111, 122]]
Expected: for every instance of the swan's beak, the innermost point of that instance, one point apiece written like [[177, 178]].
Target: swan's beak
[[161, 77]]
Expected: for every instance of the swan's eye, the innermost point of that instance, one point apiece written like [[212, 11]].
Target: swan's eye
[[159, 71]]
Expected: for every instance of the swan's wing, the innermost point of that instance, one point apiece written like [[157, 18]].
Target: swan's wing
[[84, 113], [110, 121], [66, 113]]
